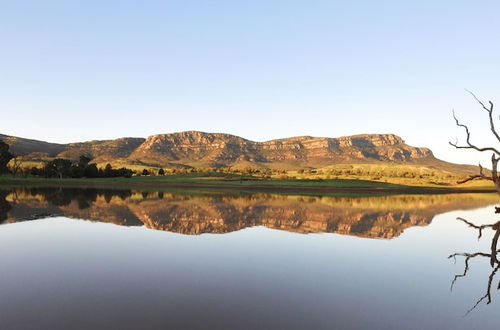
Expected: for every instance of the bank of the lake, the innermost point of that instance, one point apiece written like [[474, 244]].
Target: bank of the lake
[[217, 181]]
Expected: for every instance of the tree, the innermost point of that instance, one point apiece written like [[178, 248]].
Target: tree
[[5, 157], [161, 171], [495, 157], [108, 170], [15, 166], [124, 172], [145, 172], [60, 167], [91, 171], [78, 169], [84, 161]]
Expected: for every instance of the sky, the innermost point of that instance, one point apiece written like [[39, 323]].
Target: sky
[[83, 70]]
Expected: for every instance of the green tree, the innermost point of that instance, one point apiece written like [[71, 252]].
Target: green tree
[[59, 167], [84, 161], [91, 171], [15, 166], [5, 156], [108, 170], [78, 169]]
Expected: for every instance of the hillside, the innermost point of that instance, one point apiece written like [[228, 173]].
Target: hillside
[[22, 147], [199, 149]]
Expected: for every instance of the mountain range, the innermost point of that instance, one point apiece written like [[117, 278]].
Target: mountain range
[[200, 149]]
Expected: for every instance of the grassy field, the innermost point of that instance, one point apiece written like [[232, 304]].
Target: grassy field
[[233, 181], [211, 179], [384, 173], [405, 174]]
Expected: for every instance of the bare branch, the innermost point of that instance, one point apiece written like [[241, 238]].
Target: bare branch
[[480, 228], [478, 302], [478, 176], [469, 144], [478, 100], [467, 256], [490, 114], [474, 177], [488, 291], [494, 262]]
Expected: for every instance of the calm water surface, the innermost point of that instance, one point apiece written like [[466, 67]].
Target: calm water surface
[[110, 259]]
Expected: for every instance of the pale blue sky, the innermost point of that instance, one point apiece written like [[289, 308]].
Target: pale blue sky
[[80, 70]]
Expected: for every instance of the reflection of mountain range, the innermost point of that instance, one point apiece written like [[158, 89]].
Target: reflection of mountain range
[[377, 217]]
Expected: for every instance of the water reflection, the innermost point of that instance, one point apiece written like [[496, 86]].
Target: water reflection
[[4, 206], [373, 217], [491, 256], [58, 272]]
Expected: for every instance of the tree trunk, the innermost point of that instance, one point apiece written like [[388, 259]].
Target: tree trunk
[[494, 172]]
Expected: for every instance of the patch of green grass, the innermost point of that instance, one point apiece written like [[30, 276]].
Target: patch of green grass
[[220, 181], [212, 179], [402, 174]]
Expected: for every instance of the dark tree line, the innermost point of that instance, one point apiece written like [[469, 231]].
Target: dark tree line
[[61, 167], [65, 168], [5, 206], [5, 157]]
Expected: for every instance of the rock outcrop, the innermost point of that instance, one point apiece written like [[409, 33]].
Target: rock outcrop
[[193, 148]]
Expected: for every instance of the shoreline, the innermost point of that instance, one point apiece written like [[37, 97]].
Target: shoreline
[[277, 188]]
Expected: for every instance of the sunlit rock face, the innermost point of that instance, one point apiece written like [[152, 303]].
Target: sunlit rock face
[[193, 148], [227, 149], [373, 217]]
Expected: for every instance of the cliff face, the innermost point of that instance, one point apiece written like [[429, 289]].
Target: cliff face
[[226, 150], [383, 147], [194, 148]]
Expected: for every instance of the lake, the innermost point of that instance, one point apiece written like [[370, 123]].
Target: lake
[[126, 259]]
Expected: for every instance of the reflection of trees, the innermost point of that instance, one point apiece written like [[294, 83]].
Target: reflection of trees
[[215, 212], [64, 196], [4, 206], [492, 256]]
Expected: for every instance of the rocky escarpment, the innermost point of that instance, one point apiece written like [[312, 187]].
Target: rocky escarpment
[[228, 150], [196, 146], [193, 148]]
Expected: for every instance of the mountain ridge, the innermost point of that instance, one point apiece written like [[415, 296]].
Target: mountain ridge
[[202, 149]]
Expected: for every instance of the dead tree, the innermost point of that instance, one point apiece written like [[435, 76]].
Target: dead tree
[[495, 157], [492, 256]]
